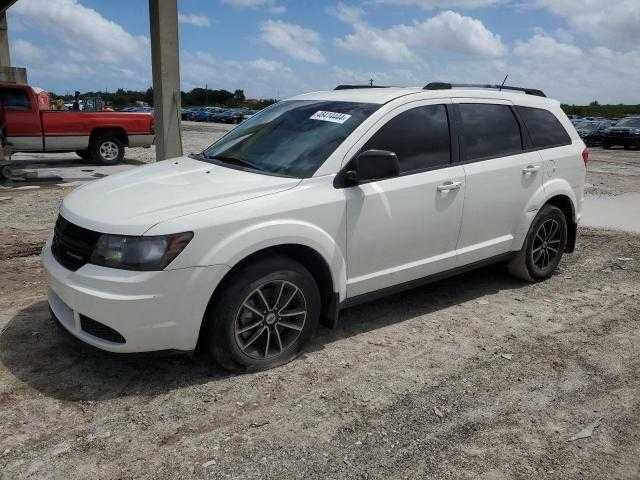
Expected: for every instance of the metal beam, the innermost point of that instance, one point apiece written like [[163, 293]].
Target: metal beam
[[165, 62]]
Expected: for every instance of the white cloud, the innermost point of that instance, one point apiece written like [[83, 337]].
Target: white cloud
[[259, 78], [296, 41], [616, 22], [26, 52], [271, 5], [346, 13], [442, 4], [377, 44], [84, 29], [542, 46], [270, 66], [574, 74], [194, 19], [79, 48], [408, 43]]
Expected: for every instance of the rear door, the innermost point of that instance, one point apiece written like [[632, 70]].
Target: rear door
[[404, 228], [23, 127], [501, 177]]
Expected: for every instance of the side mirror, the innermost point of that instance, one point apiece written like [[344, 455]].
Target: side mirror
[[372, 165]]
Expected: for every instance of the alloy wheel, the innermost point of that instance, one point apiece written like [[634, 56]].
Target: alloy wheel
[[109, 150], [546, 244], [270, 319]]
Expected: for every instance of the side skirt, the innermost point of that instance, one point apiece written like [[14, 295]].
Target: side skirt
[[370, 296]]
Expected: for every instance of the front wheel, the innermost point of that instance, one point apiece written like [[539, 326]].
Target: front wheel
[[263, 316], [544, 246], [107, 150]]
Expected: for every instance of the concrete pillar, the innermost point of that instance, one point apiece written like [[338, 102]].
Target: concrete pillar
[[5, 55], [165, 61]]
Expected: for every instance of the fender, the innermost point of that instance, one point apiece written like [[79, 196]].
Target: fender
[[550, 189], [234, 248]]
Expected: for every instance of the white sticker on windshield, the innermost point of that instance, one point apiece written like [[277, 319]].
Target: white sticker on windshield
[[333, 117]]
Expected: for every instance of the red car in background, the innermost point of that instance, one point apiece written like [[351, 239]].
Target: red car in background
[[31, 126]]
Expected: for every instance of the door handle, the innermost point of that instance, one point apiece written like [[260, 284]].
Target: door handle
[[447, 187], [529, 169]]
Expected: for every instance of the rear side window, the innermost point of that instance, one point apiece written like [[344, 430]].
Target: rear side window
[[419, 137], [489, 131], [544, 128], [15, 99]]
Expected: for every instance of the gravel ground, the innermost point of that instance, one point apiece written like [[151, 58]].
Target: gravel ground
[[479, 376]]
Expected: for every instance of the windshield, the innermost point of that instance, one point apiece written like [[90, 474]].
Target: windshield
[[629, 122], [291, 138]]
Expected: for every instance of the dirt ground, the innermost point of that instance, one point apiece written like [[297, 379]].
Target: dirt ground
[[479, 376]]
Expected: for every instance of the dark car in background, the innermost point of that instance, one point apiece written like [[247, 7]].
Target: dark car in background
[[593, 133], [625, 133]]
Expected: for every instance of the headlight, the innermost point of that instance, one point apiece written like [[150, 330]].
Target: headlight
[[139, 253]]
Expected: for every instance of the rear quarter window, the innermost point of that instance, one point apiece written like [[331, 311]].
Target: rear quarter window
[[544, 128]]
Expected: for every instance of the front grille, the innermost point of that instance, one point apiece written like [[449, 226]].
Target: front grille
[[100, 330], [72, 245]]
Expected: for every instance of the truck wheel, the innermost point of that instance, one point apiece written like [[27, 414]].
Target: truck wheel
[[543, 247], [264, 315], [606, 145], [84, 155], [107, 150]]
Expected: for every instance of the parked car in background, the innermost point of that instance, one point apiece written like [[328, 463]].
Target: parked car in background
[[625, 133], [315, 204], [192, 112], [592, 133], [236, 116], [30, 126]]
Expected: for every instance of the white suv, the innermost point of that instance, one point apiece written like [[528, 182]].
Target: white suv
[[315, 204]]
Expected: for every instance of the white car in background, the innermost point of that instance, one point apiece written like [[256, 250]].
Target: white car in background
[[314, 204]]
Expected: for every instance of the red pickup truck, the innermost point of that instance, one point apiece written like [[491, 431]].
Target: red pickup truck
[[30, 126]]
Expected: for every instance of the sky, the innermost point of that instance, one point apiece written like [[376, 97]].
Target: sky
[[576, 51]]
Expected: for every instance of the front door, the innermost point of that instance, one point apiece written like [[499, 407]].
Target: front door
[[404, 228]]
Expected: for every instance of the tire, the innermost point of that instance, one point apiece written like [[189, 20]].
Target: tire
[[606, 145], [84, 155], [529, 263], [244, 334], [107, 149]]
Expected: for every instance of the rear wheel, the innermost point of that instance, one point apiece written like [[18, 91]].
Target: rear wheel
[[108, 150], [543, 247], [264, 315], [606, 145]]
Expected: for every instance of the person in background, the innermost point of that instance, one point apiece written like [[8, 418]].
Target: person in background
[[76, 102]]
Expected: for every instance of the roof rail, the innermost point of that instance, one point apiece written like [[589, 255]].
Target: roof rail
[[355, 87], [449, 86]]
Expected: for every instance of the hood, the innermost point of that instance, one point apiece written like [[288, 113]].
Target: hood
[[130, 203]]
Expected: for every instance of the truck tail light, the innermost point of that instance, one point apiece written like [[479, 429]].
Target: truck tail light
[[585, 156]]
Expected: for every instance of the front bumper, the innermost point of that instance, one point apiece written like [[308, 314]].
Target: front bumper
[[151, 310]]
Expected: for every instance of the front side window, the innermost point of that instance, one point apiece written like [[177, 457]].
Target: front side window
[[545, 129], [419, 137], [14, 99], [489, 131], [291, 138]]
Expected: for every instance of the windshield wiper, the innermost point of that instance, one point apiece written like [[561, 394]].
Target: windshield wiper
[[234, 161]]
